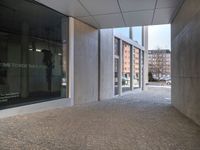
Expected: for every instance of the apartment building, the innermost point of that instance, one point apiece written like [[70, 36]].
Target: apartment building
[[160, 63]]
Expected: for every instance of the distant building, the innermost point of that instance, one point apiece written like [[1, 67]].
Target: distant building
[[126, 60], [160, 63], [137, 63]]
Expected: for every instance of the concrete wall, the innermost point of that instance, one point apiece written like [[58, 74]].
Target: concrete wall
[[106, 64], [186, 60], [85, 63]]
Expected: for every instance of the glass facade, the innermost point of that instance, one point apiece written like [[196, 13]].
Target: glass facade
[[126, 67], [137, 34], [32, 67], [136, 68], [122, 32], [117, 65], [131, 61]]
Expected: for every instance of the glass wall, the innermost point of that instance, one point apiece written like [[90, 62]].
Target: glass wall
[[117, 65], [137, 34], [32, 67], [125, 32], [126, 67], [136, 68]]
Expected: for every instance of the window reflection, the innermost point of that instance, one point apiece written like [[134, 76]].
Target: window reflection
[[136, 78], [31, 60], [137, 34], [125, 32], [117, 65], [126, 67]]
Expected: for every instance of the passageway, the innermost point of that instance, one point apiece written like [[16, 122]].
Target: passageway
[[142, 120]]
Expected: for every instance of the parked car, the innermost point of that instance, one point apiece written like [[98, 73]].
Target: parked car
[[165, 78], [125, 81], [168, 82]]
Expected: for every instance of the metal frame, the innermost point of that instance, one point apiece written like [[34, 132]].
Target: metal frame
[[133, 45]]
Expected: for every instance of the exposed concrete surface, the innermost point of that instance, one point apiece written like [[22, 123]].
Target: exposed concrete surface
[[85, 63], [106, 64], [186, 60], [141, 121], [146, 61]]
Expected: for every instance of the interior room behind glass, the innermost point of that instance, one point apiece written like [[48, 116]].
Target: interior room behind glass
[[32, 67]]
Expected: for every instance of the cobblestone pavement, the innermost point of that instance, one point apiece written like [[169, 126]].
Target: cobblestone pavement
[[140, 121]]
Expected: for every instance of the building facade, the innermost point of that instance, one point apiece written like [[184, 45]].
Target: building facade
[[129, 53], [126, 58], [46, 55], [49, 58], [160, 63]]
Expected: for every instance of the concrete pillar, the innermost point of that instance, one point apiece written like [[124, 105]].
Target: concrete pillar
[[120, 68], [71, 60], [132, 67], [85, 63], [106, 62], [146, 61], [140, 71]]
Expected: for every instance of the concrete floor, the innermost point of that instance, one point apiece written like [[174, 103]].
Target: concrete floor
[[141, 121]]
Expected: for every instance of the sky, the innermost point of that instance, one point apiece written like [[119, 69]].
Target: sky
[[159, 37], [137, 33]]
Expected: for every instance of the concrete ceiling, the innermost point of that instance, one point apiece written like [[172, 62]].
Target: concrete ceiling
[[117, 13]]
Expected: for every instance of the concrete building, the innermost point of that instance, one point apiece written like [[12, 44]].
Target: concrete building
[[45, 54], [160, 63], [51, 58]]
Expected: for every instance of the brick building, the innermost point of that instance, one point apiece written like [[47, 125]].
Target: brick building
[[160, 63]]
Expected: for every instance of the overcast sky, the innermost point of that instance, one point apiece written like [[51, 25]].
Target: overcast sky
[[160, 37]]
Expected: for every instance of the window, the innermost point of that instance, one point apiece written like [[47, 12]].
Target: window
[[137, 34], [123, 32], [32, 67], [136, 68], [126, 72], [117, 47]]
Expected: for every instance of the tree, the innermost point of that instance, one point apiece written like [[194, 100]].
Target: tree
[[157, 64]]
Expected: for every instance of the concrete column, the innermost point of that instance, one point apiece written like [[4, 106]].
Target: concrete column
[[71, 60], [140, 64], [132, 68], [131, 32], [142, 70], [120, 68], [146, 61], [106, 62], [85, 63]]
